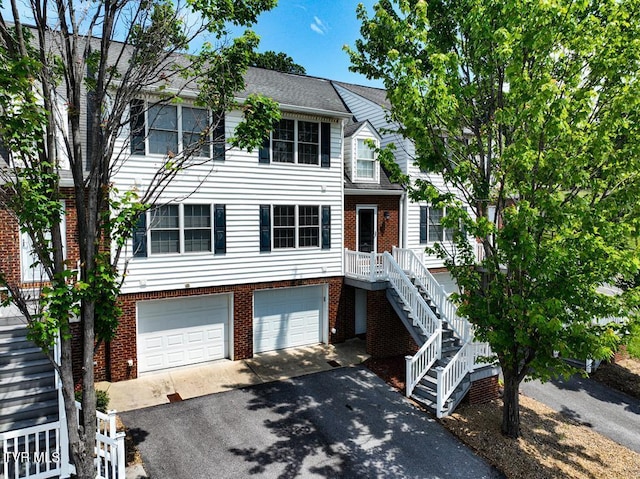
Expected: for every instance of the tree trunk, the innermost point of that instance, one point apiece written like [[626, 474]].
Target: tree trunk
[[511, 404], [81, 457]]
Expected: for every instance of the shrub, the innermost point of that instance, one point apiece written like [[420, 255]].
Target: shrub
[[102, 399]]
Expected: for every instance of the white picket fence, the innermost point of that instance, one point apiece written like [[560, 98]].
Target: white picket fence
[[41, 452]]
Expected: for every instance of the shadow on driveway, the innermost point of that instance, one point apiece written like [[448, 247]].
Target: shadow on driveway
[[609, 412], [334, 424]]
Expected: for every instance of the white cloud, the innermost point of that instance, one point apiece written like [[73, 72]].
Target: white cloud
[[318, 26]]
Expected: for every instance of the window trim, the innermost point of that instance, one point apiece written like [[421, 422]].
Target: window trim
[[322, 227], [140, 127], [323, 157], [425, 226], [356, 159], [142, 243]]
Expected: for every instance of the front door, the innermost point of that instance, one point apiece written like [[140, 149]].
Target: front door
[[366, 229]]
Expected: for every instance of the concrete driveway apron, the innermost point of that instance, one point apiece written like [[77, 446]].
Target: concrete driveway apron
[[343, 423]]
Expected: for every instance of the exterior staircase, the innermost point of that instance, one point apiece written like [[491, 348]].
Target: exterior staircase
[[438, 374], [28, 395], [426, 391]]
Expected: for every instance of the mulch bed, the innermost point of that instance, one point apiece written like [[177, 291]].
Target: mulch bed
[[390, 370]]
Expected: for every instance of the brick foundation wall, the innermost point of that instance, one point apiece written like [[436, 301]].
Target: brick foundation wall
[[484, 390], [386, 334], [10, 241], [124, 347], [388, 231]]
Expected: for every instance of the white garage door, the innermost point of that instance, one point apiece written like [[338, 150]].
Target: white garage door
[[179, 332], [287, 317]]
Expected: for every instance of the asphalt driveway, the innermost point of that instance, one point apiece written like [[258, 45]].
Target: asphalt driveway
[[343, 423], [609, 412]]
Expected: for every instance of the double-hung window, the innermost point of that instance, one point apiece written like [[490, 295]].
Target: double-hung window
[[308, 226], [291, 226], [197, 228], [174, 229], [165, 230], [365, 161], [431, 228], [195, 122], [163, 130], [176, 129], [284, 226], [308, 143], [298, 142]]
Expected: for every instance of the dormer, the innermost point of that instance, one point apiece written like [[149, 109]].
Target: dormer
[[361, 165]]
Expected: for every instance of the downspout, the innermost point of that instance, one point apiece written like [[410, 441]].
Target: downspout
[[342, 212], [404, 220]]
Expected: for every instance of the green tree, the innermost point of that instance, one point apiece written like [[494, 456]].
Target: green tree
[[66, 89], [529, 110], [280, 62]]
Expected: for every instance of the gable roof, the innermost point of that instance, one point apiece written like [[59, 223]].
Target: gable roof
[[354, 127], [375, 95], [386, 186], [295, 92]]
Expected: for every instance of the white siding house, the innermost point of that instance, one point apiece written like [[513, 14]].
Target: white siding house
[[419, 231]]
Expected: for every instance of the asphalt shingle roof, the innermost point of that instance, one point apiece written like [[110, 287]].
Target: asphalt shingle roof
[[376, 95], [385, 184], [295, 90]]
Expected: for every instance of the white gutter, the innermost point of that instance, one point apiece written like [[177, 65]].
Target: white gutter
[[342, 200], [308, 110], [367, 192]]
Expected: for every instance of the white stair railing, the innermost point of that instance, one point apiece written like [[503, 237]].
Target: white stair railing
[[409, 261], [418, 364], [364, 266], [395, 269], [418, 309], [452, 374]]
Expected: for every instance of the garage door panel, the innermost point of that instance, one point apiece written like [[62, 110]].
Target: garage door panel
[[287, 317], [183, 331]]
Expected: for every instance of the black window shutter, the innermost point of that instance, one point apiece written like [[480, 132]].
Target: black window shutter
[[326, 227], [220, 229], [137, 127], [265, 228], [325, 145], [219, 145], [264, 154], [423, 224], [140, 237]]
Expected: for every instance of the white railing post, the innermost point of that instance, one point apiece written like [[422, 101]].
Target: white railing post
[[372, 266], [408, 376], [120, 454], [439, 394]]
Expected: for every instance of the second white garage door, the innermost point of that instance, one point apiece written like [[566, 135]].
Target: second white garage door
[[287, 317], [179, 332]]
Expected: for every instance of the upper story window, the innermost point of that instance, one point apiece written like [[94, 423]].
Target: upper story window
[[431, 228], [187, 228], [365, 161], [298, 141], [176, 129], [295, 226]]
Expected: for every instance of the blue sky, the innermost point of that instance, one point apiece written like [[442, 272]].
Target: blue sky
[[313, 32]]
